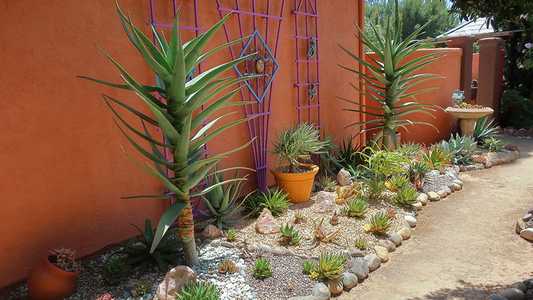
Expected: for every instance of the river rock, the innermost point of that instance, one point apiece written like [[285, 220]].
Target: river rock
[[374, 262], [344, 178], [498, 158], [321, 291], [265, 223], [442, 193], [174, 281], [211, 232], [417, 206], [527, 217], [455, 187], [396, 238], [324, 201], [433, 196], [422, 198], [527, 234], [359, 267], [513, 294], [382, 253], [520, 225], [410, 220], [389, 245], [349, 280], [405, 233]]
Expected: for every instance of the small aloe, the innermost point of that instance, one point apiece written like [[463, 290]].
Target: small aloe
[[262, 268], [356, 207], [406, 196], [379, 223], [289, 235]]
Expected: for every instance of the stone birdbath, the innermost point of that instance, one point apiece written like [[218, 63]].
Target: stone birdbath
[[468, 116]]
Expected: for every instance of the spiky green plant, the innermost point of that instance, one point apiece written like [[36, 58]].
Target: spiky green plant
[[296, 144], [385, 164], [309, 267], [493, 144], [224, 201], [289, 235], [405, 196], [461, 148], [374, 188], [231, 235], [349, 155], [361, 244], [275, 200], [391, 77], [175, 106], [379, 223], [330, 266], [417, 170], [199, 291], [410, 150], [485, 128], [396, 183], [262, 268], [356, 207], [326, 183], [436, 157]]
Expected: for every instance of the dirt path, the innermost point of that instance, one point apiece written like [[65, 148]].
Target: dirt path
[[464, 246]]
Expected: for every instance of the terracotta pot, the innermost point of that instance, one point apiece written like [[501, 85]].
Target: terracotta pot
[[49, 282], [298, 186]]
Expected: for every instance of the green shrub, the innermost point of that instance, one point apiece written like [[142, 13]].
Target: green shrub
[[199, 291], [517, 110], [437, 157], [417, 170], [289, 235], [385, 164], [461, 148], [330, 266], [355, 207], [350, 155], [309, 267], [274, 200], [406, 196], [410, 150], [262, 268], [484, 129], [379, 223], [493, 144], [374, 188]]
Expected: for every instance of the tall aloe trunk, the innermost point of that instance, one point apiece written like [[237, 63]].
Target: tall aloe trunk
[[186, 235]]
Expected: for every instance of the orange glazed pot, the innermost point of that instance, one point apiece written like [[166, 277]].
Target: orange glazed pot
[[298, 186], [49, 282]]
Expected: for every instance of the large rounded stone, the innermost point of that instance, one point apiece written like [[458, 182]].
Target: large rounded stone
[[349, 281], [456, 187], [266, 224], [382, 253], [344, 178], [359, 267], [374, 262], [527, 217], [417, 206], [433, 196], [496, 297], [405, 233], [513, 294], [520, 225], [174, 281], [321, 291], [389, 245], [442, 193], [211, 232], [527, 234], [422, 198], [396, 238], [410, 220], [324, 201]]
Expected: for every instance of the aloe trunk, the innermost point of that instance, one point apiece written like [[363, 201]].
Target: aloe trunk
[[176, 110]]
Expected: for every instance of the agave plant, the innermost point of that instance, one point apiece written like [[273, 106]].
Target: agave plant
[[461, 148], [391, 79], [485, 128], [223, 201], [175, 104]]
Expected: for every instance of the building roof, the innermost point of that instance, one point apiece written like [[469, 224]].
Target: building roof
[[470, 28]]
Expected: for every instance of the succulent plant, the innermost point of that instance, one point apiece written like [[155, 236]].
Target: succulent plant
[[326, 183], [374, 188], [437, 157], [395, 183], [299, 217], [199, 291], [115, 269], [417, 171], [262, 268], [461, 149], [274, 200], [289, 235], [227, 266], [141, 289], [406, 196], [485, 128], [309, 267], [410, 150], [356, 207], [379, 223], [231, 235], [65, 259], [361, 244], [493, 144], [330, 266]]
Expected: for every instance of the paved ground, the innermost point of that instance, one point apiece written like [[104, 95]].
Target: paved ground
[[465, 245]]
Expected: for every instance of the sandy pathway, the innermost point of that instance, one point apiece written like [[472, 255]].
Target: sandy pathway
[[465, 245]]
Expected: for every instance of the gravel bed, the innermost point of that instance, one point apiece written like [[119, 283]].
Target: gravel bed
[[287, 279], [350, 229]]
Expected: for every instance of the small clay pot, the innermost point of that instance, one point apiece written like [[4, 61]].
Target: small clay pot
[[49, 282], [298, 186]]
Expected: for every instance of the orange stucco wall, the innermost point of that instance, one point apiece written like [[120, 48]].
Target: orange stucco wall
[[448, 68], [63, 169]]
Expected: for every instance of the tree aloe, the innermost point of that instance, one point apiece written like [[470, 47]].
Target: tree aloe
[[175, 106], [391, 79]]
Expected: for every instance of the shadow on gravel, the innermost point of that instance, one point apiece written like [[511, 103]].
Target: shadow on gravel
[[465, 290]]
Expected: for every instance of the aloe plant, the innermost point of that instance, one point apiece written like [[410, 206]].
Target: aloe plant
[[175, 105], [391, 79]]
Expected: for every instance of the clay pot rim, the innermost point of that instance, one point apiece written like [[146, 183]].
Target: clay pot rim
[[312, 169], [57, 269]]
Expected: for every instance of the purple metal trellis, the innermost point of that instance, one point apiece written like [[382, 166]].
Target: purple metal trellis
[[248, 16], [307, 84]]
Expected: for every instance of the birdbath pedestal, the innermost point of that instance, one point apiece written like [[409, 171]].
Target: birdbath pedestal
[[468, 117]]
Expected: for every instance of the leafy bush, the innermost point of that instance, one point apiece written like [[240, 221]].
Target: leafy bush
[[361, 244], [385, 164], [330, 266], [355, 207], [138, 251], [199, 291], [309, 267], [484, 129], [262, 268], [274, 200], [517, 110], [379, 223], [297, 144], [397, 183], [406, 196], [493, 144], [289, 235], [461, 148]]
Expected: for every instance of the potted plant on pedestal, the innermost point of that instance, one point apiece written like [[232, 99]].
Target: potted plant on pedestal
[[295, 146], [55, 276]]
